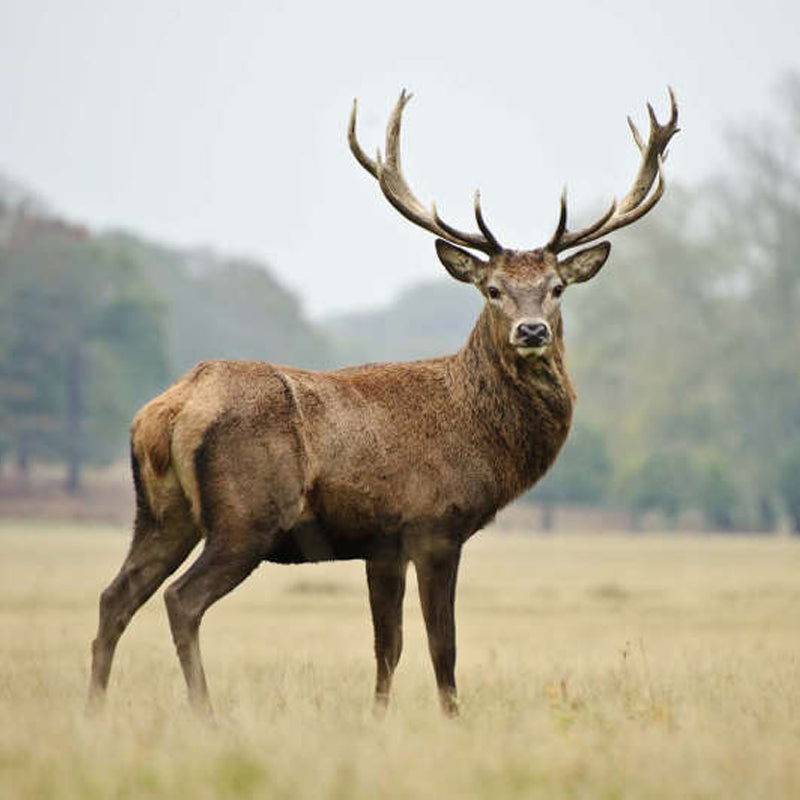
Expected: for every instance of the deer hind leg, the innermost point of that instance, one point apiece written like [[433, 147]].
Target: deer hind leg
[[156, 551], [216, 572], [436, 578], [386, 578]]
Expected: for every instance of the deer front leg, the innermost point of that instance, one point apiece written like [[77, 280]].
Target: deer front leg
[[436, 577], [386, 579]]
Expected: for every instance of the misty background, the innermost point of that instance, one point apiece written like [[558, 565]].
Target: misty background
[[176, 185]]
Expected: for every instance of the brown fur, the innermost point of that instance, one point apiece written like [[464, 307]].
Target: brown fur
[[389, 463]]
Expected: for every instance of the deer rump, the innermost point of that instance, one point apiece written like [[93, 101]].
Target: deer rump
[[320, 466]]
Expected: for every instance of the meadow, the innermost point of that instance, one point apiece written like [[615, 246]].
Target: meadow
[[589, 667]]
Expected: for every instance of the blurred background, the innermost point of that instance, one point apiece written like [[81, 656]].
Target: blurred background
[[175, 185]]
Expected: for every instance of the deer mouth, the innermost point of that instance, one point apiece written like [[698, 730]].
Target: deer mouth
[[531, 338], [531, 352]]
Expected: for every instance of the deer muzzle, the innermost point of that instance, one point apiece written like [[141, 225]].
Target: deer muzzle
[[530, 336]]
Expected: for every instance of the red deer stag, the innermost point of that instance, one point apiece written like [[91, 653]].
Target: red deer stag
[[389, 463]]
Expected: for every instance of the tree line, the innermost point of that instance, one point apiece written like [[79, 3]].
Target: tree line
[[92, 326], [687, 349], [684, 350]]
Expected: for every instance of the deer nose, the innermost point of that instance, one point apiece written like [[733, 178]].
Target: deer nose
[[532, 333]]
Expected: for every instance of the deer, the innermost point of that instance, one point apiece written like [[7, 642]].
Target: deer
[[391, 464]]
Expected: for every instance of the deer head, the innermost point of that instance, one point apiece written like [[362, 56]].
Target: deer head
[[522, 288]]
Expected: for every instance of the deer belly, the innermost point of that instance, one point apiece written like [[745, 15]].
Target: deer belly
[[312, 540]]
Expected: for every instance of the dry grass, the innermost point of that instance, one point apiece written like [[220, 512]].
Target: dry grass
[[589, 668]]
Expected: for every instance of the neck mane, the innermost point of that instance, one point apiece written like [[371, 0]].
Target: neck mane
[[525, 403]]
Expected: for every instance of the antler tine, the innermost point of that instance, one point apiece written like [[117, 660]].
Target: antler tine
[[489, 244], [563, 240], [394, 186], [656, 146], [559, 240], [562, 221], [393, 131], [484, 228], [362, 158], [390, 175], [635, 133], [635, 203]]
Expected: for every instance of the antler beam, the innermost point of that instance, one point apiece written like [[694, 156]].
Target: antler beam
[[636, 202], [393, 184]]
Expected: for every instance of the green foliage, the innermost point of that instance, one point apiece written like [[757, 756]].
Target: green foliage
[[717, 494], [685, 350], [430, 319], [91, 327], [789, 481], [581, 475], [221, 308], [760, 223], [80, 346], [661, 482], [583, 472]]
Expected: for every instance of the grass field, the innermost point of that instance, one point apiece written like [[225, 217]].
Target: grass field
[[656, 667]]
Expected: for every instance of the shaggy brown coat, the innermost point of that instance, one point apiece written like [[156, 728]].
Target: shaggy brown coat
[[389, 463]]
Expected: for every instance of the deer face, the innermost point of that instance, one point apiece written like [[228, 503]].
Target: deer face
[[523, 289]]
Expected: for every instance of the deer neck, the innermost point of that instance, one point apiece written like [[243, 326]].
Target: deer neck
[[525, 404], [488, 360]]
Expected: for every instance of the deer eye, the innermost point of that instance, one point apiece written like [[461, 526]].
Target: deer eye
[[558, 290], [493, 292]]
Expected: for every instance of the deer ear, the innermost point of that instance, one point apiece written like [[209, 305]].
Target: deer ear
[[584, 264], [463, 266]]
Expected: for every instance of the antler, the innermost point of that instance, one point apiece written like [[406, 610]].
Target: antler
[[393, 184], [633, 205]]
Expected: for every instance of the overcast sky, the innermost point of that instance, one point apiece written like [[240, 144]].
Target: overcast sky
[[223, 123]]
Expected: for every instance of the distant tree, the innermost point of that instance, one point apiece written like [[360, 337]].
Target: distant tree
[[92, 326], [788, 470], [685, 351], [431, 318], [717, 494], [644, 337], [581, 475], [758, 219], [224, 308], [82, 345], [662, 482], [30, 415]]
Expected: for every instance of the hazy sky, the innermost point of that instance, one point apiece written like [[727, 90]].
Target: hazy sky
[[223, 124]]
